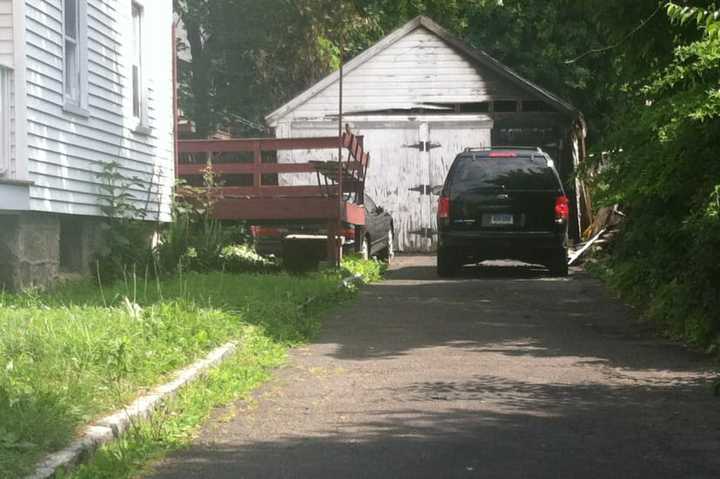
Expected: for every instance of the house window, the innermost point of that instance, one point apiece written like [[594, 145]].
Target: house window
[[137, 73], [75, 73]]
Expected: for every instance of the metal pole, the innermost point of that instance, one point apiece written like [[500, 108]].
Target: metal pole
[[338, 228], [176, 129]]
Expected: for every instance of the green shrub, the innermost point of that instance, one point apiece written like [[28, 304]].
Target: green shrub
[[664, 170]]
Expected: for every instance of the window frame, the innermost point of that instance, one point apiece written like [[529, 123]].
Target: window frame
[[79, 105], [137, 83]]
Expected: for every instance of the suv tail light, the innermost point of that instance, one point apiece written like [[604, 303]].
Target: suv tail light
[[562, 208], [444, 207], [502, 154]]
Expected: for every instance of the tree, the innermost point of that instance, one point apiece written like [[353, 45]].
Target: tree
[[250, 56]]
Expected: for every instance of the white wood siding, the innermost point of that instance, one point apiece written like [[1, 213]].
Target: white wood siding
[[6, 33], [66, 152], [419, 68]]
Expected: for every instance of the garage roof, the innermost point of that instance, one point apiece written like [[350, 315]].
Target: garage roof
[[477, 56]]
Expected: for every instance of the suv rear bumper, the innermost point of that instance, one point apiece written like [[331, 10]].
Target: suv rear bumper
[[503, 244]]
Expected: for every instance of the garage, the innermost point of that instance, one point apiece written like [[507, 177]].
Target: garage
[[419, 97]]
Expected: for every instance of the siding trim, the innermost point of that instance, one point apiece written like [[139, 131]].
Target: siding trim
[[21, 143], [6, 75]]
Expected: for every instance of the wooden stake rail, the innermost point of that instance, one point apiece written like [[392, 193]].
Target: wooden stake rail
[[277, 202]]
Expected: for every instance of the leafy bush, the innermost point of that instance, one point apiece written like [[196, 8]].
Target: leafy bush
[[370, 270], [664, 170]]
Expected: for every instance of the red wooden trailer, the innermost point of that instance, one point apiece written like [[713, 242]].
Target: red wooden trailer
[[251, 189]]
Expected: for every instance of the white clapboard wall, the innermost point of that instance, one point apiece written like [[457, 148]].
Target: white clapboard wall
[[65, 151]]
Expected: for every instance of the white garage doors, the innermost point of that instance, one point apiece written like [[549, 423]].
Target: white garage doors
[[410, 157]]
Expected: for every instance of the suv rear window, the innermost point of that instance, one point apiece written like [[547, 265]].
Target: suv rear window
[[522, 173]]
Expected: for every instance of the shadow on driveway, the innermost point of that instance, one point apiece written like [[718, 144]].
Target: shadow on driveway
[[501, 373]]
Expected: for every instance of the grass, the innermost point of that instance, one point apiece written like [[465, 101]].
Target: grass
[[173, 427], [370, 271], [76, 353]]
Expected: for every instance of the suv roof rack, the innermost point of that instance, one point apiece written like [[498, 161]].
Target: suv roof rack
[[491, 148]]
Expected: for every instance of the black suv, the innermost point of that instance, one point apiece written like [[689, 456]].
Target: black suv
[[503, 203]]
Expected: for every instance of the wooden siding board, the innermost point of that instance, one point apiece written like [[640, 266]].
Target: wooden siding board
[[7, 34], [88, 175], [67, 152]]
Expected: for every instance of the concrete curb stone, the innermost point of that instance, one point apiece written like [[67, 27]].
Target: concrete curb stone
[[115, 425]]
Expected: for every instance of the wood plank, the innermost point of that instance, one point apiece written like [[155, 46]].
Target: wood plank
[[354, 214], [320, 209], [265, 144], [245, 168], [276, 209], [240, 192]]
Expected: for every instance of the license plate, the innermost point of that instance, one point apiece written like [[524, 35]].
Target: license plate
[[502, 220]]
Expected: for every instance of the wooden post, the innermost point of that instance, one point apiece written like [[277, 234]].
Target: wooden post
[[257, 178]]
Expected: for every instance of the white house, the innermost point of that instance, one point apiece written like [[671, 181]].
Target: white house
[[83, 84], [420, 97]]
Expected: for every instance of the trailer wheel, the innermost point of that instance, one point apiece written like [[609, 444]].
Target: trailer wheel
[[297, 260]]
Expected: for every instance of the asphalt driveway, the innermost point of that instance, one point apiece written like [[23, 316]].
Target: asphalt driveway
[[502, 373]]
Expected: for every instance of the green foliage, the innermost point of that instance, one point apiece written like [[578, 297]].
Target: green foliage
[[706, 18], [72, 354], [249, 56], [195, 241], [664, 170], [126, 235], [370, 271]]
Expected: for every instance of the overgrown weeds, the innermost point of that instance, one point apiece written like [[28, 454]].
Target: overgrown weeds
[[369, 270], [70, 355]]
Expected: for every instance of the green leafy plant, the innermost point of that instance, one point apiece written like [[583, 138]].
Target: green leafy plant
[[664, 169], [126, 233]]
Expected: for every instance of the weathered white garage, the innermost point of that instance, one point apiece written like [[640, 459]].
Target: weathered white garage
[[420, 97]]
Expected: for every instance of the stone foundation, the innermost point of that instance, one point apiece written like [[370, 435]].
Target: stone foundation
[[36, 248]]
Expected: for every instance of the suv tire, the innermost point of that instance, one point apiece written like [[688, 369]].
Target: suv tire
[[559, 264], [447, 264]]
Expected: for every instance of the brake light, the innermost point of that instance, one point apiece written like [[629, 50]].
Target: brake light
[[444, 207], [348, 233], [503, 154], [264, 232], [562, 208]]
